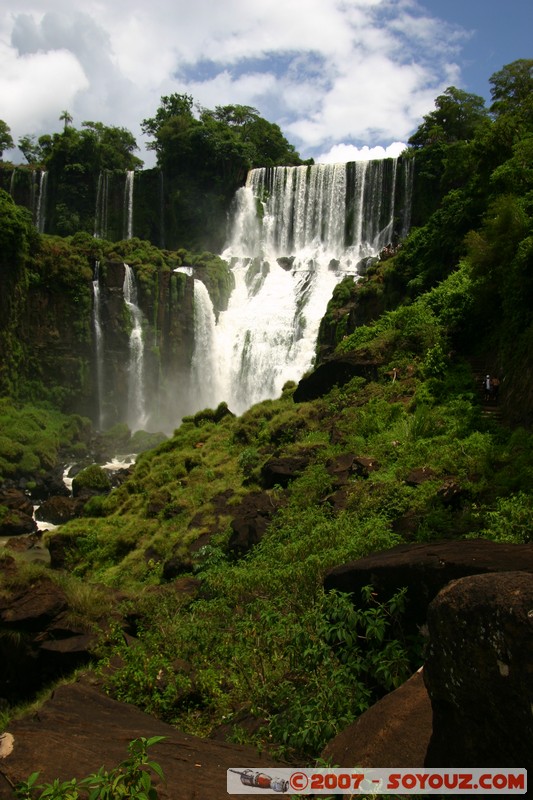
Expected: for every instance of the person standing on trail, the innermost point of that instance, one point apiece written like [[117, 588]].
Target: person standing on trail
[[495, 388], [487, 386]]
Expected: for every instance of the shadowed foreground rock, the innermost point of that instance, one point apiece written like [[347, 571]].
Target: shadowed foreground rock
[[80, 729], [394, 732], [479, 672], [425, 569]]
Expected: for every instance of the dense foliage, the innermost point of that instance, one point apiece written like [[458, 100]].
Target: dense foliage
[[203, 156]]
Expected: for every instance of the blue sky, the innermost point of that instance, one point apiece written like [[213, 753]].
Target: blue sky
[[344, 79], [501, 32]]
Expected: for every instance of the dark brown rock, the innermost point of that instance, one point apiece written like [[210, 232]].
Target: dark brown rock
[[250, 521], [419, 476], [335, 372], [58, 510], [34, 606], [281, 471], [348, 465], [425, 569], [44, 644], [15, 499], [394, 732], [18, 518], [79, 729], [479, 672]]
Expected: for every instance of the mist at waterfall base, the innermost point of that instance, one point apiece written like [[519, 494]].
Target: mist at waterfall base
[[294, 234]]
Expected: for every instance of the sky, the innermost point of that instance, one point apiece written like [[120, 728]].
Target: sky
[[344, 79]]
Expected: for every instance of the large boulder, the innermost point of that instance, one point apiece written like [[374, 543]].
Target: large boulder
[[479, 674], [425, 569], [394, 732], [39, 642], [16, 513], [335, 372], [79, 729], [250, 521], [282, 470], [58, 510]]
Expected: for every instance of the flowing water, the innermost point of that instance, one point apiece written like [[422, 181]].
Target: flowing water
[[296, 232], [98, 345], [137, 414]]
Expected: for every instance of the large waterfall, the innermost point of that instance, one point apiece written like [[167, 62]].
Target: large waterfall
[[296, 232], [137, 415]]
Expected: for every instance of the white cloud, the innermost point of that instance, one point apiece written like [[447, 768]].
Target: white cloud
[[340, 153], [355, 71]]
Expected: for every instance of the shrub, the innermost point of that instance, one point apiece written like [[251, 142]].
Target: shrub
[[130, 779]]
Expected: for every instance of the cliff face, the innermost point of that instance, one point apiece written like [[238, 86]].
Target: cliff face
[[49, 348], [115, 205]]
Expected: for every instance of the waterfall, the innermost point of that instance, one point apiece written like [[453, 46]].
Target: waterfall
[[40, 211], [137, 416], [408, 196], [296, 232], [204, 366], [12, 182], [102, 204], [128, 204], [98, 344]]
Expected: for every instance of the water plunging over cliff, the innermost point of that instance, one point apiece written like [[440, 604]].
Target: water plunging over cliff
[[137, 416], [102, 205], [296, 232], [98, 344], [128, 204], [40, 214]]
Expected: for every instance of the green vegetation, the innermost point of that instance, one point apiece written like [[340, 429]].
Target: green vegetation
[[32, 439], [130, 779]]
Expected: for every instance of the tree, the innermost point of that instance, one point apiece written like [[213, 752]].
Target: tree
[[172, 108], [457, 117], [66, 117], [6, 140], [30, 149], [114, 146], [512, 88]]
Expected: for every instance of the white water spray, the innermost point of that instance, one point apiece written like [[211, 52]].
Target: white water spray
[[102, 203], [137, 416], [296, 232], [128, 204], [98, 345]]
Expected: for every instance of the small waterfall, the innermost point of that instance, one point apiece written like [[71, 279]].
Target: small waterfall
[[12, 182], [40, 211], [98, 345], [408, 196], [137, 416], [102, 204], [128, 204], [296, 232], [204, 366]]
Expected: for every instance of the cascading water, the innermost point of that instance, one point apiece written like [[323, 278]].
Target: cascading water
[[98, 344], [137, 416], [204, 362], [12, 182], [297, 231], [102, 204], [128, 204], [40, 211]]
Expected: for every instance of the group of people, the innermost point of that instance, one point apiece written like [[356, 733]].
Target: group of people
[[491, 388]]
